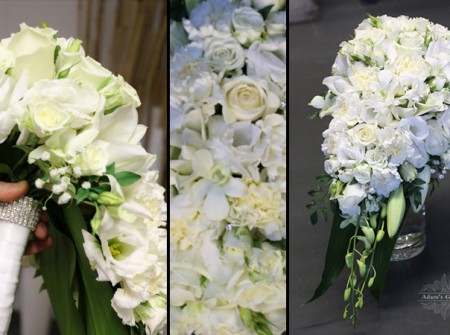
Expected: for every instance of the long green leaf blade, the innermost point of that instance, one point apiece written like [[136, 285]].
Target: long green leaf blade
[[335, 257], [57, 267]]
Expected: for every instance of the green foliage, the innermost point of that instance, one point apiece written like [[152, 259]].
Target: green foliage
[[255, 320], [265, 11], [320, 200], [178, 10]]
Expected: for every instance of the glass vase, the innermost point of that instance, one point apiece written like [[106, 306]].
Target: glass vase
[[412, 238]]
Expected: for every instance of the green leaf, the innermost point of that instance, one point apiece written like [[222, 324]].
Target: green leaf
[[57, 267], [81, 195], [111, 169], [191, 4], [336, 251], [100, 318], [265, 11], [126, 178], [5, 169], [314, 218]]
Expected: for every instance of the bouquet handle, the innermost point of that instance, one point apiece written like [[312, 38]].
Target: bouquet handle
[[17, 219]]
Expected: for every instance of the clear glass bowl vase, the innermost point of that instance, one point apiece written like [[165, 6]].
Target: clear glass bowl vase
[[412, 238]]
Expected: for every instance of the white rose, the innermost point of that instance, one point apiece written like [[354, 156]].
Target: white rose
[[276, 24], [93, 159], [46, 117], [349, 201], [248, 25], [246, 99], [224, 54], [365, 134], [80, 104], [34, 51], [277, 4]]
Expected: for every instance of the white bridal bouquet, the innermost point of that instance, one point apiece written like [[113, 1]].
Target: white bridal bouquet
[[228, 168], [70, 128], [387, 142]]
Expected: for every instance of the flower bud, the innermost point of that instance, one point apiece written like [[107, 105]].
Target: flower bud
[[109, 199], [408, 172]]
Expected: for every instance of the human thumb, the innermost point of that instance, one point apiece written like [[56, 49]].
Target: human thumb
[[12, 191]]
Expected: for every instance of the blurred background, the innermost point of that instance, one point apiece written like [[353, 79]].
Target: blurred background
[[316, 29], [129, 38]]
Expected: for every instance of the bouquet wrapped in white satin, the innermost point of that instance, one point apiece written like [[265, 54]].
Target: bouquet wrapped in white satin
[[70, 128]]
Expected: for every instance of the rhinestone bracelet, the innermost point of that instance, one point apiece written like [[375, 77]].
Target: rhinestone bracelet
[[25, 212]]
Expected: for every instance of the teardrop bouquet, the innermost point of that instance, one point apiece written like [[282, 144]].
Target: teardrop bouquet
[[228, 168], [70, 128], [386, 145]]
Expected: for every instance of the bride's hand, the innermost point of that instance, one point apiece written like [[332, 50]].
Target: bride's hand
[[43, 241]]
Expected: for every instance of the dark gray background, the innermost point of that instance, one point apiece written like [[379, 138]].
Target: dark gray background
[[312, 49]]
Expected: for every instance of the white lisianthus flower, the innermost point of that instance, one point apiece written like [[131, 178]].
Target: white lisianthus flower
[[350, 199], [436, 142], [265, 64], [71, 52], [33, 46], [247, 99], [248, 25], [362, 173], [11, 93]]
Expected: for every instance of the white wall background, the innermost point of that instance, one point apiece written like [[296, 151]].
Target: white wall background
[[59, 14]]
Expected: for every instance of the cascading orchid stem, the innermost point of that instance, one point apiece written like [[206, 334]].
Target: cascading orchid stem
[[17, 219]]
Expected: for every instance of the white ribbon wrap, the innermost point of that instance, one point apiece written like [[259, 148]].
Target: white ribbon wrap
[[17, 219]]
